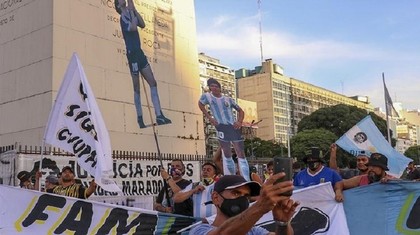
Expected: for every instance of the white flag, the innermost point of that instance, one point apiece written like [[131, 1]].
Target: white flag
[[76, 125]]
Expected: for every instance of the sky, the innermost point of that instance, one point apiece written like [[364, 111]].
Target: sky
[[342, 46]]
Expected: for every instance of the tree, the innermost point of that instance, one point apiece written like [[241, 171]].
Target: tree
[[413, 152], [263, 148], [339, 119], [303, 140]]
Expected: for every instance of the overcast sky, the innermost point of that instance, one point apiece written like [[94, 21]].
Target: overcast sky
[[343, 46]]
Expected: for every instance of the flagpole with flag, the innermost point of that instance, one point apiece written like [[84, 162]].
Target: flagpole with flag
[[389, 108], [75, 124]]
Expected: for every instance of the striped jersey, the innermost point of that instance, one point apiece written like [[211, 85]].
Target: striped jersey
[[74, 190], [200, 209], [221, 107]]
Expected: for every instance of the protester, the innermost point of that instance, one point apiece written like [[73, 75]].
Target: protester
[[235, 216], [253, 175], [377, 167], [130, 19], [228, 129], [361, 159], [200, 192], [296, 169], [412, 172], [69, 188], [25, 180], [316, 173], [268, 170], [51, 181], [174, 184]]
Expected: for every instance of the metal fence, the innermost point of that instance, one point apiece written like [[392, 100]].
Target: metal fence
[[131, 155]]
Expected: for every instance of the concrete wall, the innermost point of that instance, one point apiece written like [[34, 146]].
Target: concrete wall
[[39, 43]]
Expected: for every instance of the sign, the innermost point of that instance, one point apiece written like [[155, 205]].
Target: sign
[[31, 212]]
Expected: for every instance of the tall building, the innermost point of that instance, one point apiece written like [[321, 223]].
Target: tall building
[[38, 38], [283, 101], [210, 67]]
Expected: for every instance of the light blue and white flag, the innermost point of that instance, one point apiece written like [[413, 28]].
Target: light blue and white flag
[[366, 136]]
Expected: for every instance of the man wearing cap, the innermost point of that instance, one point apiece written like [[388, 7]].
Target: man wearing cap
[[69, 188], [316, 173], [235, 216], [200, 192], [51, 181], [228, 129], [25, 180], [377, 167]]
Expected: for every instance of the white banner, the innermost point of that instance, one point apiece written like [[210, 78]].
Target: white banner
[[76, 125], [134, 177], [318, 213], [31, 212]]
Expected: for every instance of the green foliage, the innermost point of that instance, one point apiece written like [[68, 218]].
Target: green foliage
[[339, 119], [413, 152], [263, 148], [303, 140]]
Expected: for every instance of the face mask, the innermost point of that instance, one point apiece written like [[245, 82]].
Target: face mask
[[313, 165], [208, 181], [373, 177], [232, 207]]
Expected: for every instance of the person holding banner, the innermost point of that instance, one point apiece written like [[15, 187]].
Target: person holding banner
[[377, 167], [130, 19], [316, 173], [235, 216], [69, 188], [228, 129]]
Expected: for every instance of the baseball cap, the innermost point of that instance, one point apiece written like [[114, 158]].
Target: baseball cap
[[24, 176], [236, 181], [52, 179], [67, 168]]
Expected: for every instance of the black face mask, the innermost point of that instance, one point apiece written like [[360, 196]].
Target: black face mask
[[232, 207], [313, 165]]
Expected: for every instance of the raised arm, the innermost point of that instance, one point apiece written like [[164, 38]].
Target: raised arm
[[333, 157], [91, 189]]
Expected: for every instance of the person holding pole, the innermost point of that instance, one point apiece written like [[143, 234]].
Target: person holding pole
[[130, 19], [228, 129]]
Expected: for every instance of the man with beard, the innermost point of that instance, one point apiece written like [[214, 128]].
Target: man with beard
[[316, 173], [234, 215], [174, 184], [377, 167], [200, 192], [69, 188], [361, 160]]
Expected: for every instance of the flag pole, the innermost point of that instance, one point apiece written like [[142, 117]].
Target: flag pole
[[386, 110], [165, 184]]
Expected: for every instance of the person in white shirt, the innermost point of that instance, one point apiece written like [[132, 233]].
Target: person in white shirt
[[200, 192]]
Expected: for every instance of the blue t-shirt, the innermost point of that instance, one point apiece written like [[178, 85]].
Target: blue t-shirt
[[306, 179], [131, 38], [203, 229]]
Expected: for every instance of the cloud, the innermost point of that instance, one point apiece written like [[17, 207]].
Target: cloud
[[358, 66]]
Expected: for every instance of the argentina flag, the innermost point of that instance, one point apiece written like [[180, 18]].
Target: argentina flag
[[366, 136]]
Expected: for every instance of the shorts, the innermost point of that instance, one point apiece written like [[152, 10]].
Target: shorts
[[228, 134], [136, 61]]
